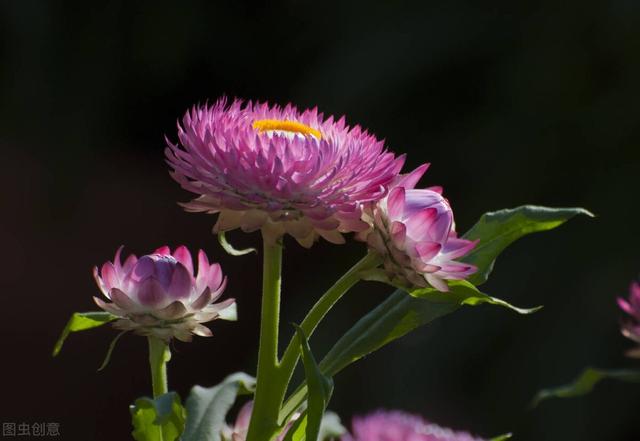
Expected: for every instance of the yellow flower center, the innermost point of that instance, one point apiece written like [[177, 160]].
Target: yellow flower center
[[267, 125]]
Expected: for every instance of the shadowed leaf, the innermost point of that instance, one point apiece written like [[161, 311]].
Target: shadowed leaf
[[160, 419], [585, 383]]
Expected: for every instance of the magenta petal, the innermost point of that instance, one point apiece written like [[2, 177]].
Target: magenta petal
[[625, 306], [398, 232], [116, 259], [420, 223], [427, 250], [163, 251], [129, 264], [395, 203], [181, 283], [99, 282], [243, 418], [205, 298], [183, 256], [109, 276], [411, 179], [143, 269], [203, 271], [122, 300], [150, 293], [214, 276], [439, 229]]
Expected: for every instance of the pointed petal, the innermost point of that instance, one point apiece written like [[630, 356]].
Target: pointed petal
[[109, 307], [174, 311], [395, 203], [122, 300], [164, 251], [203, 300], [202, 331], [183, 256], [411, 179]]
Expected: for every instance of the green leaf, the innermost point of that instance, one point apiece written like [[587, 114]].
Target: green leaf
[[160, 419], [319, 386], [222, 239], [585, 383], [461, 293], [208, 407], [498, 229], [81, 321], [112, 345], [398, 315], [330, 428]]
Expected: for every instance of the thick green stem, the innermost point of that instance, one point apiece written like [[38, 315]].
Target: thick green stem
[[159, 355], [319, 310], [269, 391]]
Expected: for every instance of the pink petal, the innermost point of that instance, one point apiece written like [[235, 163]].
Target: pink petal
[[129, 264], [181, 283], [419, 224], [183, 256], [427, 250], [143, 269], [150, 293], [109, 276], [398, 232], [122, 300], [625, 306], [411, 179], [163, 251], [205, 298], [395, 203]]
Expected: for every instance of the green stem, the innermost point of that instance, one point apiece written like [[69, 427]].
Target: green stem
[[269, 391], [317, 313], [159, 355]]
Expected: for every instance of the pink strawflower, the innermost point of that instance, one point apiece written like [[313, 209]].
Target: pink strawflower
[[159, 294], [400, 426], [241, 426], [415, 232], [279, 170], [631, 327]]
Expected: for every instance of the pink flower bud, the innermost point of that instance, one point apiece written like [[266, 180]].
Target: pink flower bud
[[415, 232], [159, 294]]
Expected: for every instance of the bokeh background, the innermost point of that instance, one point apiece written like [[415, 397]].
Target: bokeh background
[[511, 102]]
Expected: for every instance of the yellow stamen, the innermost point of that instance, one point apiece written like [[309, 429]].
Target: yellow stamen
[[265, 125]]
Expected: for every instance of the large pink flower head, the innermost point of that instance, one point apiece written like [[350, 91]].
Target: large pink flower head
[[415, 232], [279, 170], [159, 294], [401, 426], [631, 327]]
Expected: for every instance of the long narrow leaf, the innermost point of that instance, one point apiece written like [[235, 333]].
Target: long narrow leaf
[[585, 383], [498, 229], [319, 385]]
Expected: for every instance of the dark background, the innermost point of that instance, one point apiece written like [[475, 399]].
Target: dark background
[[511, 102]]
